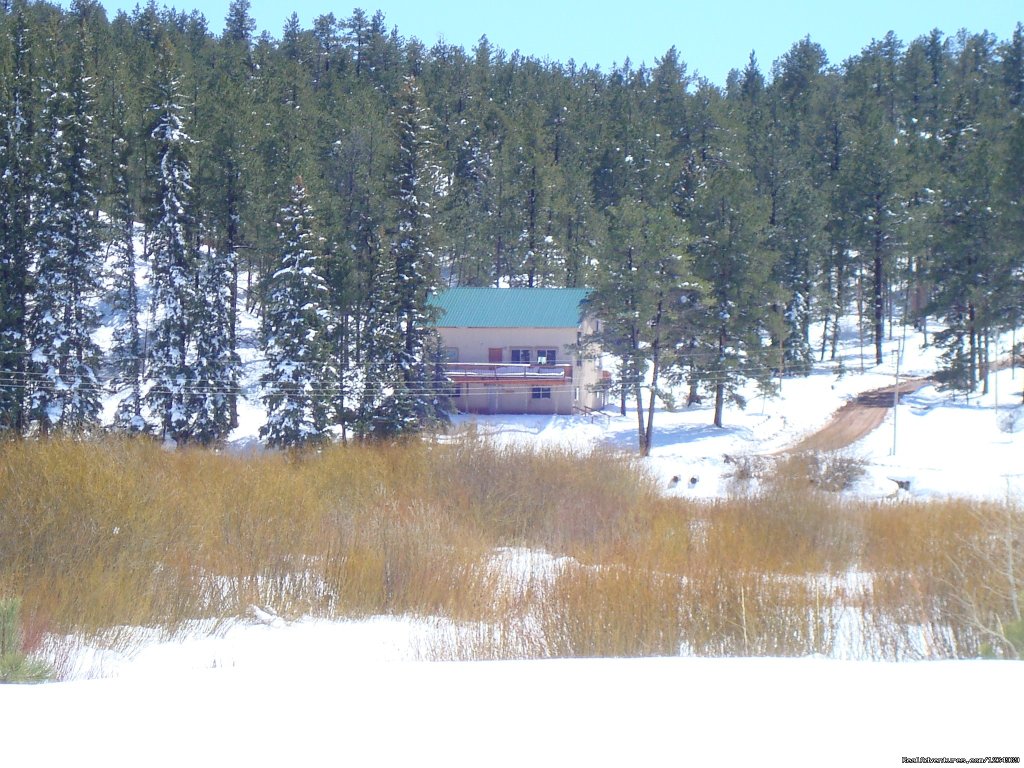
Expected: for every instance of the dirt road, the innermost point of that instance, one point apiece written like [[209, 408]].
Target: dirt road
[[856, 419]]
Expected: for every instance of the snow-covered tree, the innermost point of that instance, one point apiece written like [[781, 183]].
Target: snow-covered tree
[[215, 371], [173, 264], [65, 389], [300, 373], [16, 129], [396, 366], [384, 407], [126, 378]]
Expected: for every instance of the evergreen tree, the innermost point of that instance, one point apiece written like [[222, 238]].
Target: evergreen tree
[[385, 406], [238, 25], [872, 183], [301, 375], [643, 268], [732, 259], [173, 264], [921, 84], [1010, 232], [216, 366], [227, 98], [796, 191], [408, 406], [967, 267], [1010, 189], [126, 352], [638, 301], [17, 107], [65, 389]]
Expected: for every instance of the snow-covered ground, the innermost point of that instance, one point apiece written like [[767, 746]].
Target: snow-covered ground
[[265, 692], [325, 696]]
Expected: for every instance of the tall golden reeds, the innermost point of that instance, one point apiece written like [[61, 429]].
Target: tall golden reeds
[[99, 535]]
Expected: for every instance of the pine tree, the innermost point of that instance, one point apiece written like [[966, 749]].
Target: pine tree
[[126, 351], [1010, 189], [637, 298], [967, 266], [732, 259], [400, 316], [238, 24], [384, 407], [227, 95], [921, 78], [795, 192], [65, 389], [216, 366], [17, 107], [301, 375], [871, 183], [1010, 195], [173, 264]]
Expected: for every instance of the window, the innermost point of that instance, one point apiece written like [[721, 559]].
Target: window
[[546, 356], [451, 354], [520, 355], [541, 393]]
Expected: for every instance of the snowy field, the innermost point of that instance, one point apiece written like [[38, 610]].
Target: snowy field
[[266, 692], [311, 695]]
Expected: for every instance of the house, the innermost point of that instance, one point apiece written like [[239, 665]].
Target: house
[[520, 350]]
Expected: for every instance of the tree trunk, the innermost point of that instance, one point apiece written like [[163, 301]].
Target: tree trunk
[[840, 297], [622, 400], [719, 403], [985, 363], [972, 360], [642, 443], [655, 372], [694, 395], [824, 335]]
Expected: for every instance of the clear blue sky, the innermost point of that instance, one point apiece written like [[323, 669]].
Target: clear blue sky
[[712, 37]]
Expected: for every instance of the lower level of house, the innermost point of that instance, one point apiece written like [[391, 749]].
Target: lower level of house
[[521, 388]]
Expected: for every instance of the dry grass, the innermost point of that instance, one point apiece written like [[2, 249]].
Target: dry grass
[[119, 533]]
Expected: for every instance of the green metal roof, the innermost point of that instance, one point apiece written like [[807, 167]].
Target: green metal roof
[[509, 307]]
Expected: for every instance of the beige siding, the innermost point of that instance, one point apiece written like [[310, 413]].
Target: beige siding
[[472, 345]]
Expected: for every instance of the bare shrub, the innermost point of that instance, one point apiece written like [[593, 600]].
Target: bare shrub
[[119, 533], [611, 611]]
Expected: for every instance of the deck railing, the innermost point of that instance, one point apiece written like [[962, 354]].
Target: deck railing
[[508, 372]]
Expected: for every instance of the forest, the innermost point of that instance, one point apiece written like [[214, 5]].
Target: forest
[[330, 180]]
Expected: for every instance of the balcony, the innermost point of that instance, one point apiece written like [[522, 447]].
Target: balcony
[[524, 374]]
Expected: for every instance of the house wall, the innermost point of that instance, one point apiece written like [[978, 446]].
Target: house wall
[[472, 345], [489, 398]]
